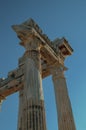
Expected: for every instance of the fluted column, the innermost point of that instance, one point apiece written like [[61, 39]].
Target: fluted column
[[32, 111], [65, 115]]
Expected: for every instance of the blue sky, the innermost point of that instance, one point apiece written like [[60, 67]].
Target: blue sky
[[57, 18]]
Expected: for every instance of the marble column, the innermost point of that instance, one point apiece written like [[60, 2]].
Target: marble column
[[64, 111], [31, 109]]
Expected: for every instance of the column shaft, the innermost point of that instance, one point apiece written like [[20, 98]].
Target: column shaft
[[65, 116], [32, 111]]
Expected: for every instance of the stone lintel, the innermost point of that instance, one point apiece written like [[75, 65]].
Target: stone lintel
[[13, 83]]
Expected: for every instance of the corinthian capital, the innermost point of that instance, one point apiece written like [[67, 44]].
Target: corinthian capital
[[27, 37], [58, 71], [32, 43]]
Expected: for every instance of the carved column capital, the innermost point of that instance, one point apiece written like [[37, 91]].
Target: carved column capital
[[58, 71], [32, 43]]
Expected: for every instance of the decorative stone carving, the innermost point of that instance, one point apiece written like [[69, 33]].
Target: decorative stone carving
[[62, 46], [58, 71]]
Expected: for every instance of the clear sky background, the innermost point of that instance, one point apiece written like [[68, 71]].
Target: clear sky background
[[57, 18]]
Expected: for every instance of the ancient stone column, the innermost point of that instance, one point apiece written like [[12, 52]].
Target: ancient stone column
[[65, 115], [31, 108]]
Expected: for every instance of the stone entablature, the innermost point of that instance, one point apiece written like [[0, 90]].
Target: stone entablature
[[52, 52]]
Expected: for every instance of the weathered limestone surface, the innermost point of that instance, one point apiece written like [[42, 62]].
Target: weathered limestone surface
[[65, 116], [31, 107], [42, 58]]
